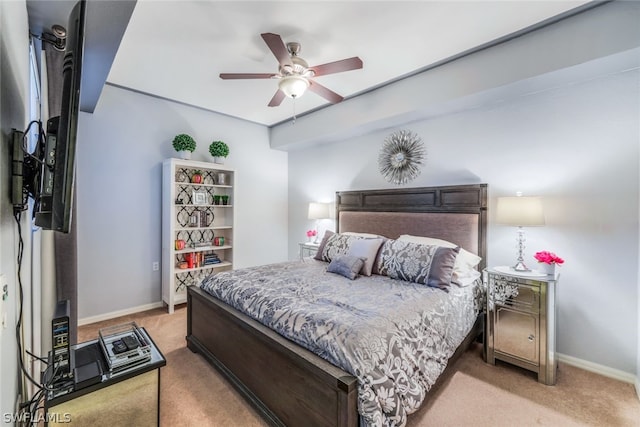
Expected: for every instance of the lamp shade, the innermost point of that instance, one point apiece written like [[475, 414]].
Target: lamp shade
[[318, 210], [520, 211], [293, 86]]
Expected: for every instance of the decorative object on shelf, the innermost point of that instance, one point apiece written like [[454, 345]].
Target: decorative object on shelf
[[311, 234], [180, 244], [218, 241], [200, 198], [221, 178], [185, 145], [401, 156], [547, 262], [205, 219], [196, 178], [520, 212], [216, 199], [181, 176], [225, 199], [318, 211], [219, 150]]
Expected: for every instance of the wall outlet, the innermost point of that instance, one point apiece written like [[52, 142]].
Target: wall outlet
[[156, 266]]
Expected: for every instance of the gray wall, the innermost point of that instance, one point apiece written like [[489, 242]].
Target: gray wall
[[569, 134], [14, 96], [120, 150]]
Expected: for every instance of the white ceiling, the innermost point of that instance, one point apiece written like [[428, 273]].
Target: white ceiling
[[177, 49]]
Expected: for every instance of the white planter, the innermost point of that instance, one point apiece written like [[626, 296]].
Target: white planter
[[185, 154], [219, 160], [545, 268]]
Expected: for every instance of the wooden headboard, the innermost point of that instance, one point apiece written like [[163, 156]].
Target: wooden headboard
[[456, 213]]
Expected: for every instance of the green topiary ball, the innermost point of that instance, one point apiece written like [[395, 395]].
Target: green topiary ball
[[184, 142], [219, 149]]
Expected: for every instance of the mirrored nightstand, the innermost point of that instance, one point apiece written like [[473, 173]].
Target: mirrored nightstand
[[520, 327], [308, 249]]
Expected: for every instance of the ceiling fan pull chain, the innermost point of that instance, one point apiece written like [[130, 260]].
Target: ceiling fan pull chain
[[294, 111]]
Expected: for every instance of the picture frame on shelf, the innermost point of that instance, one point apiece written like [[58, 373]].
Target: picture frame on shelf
[[200, 198]]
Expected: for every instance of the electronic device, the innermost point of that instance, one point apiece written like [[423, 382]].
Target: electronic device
[[61, 356], [130, 342], [59, 160], [17, 164], [118, 346], [47, 175]]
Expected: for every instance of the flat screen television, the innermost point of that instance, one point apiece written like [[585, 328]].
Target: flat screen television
[[54, 208]]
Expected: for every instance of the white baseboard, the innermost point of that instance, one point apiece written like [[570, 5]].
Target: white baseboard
[[114, 314], [605, 371]]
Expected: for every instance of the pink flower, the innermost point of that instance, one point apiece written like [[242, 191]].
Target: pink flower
[[548, 257], [311, 233]]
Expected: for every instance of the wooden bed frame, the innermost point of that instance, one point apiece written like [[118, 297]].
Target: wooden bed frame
[[289, 385]]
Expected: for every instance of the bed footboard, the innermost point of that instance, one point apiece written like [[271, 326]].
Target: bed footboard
[[287, 384]]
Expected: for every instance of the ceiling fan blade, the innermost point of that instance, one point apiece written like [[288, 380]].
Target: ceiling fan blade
[[277, 98], [229, 76], [328, 94], [277, 46], [337, 66]]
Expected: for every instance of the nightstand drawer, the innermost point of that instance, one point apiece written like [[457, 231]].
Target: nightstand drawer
[[513, 292]]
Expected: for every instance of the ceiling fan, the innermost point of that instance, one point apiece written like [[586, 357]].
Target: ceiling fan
[[295, 75]]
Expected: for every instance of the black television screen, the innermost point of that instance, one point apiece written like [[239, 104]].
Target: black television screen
[[56, 193]]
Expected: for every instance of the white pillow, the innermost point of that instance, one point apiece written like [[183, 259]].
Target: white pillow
[[464, 261], [463, 279]]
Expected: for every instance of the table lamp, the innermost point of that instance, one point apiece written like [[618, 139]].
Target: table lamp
[[520, 212], [318, 211]]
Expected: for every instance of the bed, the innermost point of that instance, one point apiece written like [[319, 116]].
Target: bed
[[285, 381]]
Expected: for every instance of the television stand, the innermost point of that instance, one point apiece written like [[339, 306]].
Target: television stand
[[127, 397]]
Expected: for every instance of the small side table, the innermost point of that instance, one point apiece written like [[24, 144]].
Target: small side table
[[130, 397], [308, 249], [520, 327]]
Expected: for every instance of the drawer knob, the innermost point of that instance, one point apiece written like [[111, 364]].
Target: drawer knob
[[531, 337]]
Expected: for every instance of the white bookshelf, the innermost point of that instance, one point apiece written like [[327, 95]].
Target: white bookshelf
[[190, 214]]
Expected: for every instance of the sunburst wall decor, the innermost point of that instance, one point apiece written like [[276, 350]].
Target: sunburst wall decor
[[401, 156]]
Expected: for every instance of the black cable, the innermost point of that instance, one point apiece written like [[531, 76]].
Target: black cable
[[25, 134], [17, 216], [42, 359]]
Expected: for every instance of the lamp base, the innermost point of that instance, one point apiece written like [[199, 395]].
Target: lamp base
[[520, 267]]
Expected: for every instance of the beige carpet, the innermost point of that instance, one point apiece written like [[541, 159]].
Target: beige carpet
[[474, 394]]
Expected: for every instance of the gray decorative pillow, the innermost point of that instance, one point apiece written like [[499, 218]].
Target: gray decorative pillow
[[323, 243], [426, 264], [346, 265], [368, 249]]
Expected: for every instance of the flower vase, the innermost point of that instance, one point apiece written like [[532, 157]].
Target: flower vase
[[185, 154], [549, 269]]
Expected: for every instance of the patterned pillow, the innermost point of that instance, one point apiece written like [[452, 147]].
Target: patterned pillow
[[346, 265], [426, 264], [336, 244], [323, 243]]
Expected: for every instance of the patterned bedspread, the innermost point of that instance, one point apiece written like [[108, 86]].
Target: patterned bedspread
[[394, 336]]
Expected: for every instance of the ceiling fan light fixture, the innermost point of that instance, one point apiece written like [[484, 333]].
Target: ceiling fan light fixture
[[293, 86]]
